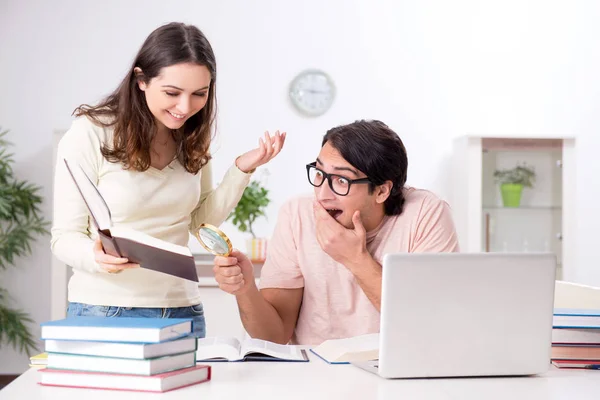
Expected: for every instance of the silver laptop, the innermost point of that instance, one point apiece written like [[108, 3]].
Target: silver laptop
[[465, 314]]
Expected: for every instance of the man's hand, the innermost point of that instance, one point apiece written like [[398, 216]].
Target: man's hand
[[234, 274], [346, 246]]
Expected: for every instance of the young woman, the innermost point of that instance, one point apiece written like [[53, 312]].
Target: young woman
[[146, 147]]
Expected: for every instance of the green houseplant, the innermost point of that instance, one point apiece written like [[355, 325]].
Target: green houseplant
[[251, 206], [20, 222], [512, 181]]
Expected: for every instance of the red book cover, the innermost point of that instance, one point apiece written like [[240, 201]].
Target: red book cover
[[140, 383], [579, 364]]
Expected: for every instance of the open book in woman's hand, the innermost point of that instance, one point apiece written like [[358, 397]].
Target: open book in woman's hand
[[138, 247], [231, 349]]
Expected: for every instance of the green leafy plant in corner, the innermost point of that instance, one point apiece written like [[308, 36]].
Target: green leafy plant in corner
[[252, 205], [520, 175], [20, 222]]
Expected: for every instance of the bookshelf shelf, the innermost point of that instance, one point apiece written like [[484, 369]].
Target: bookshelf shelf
[[522, 209]]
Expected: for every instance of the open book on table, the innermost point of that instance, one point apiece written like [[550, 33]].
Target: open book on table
[[232, 349], [149, 252], [353, 349]]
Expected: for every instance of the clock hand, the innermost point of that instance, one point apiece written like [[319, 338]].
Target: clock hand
[[314, 91]]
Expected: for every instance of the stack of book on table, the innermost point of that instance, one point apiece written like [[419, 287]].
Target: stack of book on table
[[576, 338], [141, 354]]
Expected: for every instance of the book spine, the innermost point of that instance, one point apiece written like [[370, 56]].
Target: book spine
[[110, 244]]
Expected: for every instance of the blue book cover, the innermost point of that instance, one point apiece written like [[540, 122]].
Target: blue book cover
[[327, 361], [574, 318], [119, 322], [130, 329], [579, 312]]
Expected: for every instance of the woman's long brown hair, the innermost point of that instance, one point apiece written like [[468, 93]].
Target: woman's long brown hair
[[127, 111]]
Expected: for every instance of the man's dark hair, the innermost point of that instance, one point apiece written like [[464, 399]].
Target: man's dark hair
[[375, 149]]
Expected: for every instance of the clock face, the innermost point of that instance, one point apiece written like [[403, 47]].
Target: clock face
[[312, 92]]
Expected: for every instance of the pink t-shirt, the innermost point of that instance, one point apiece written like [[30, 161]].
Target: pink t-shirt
[[334, 306]]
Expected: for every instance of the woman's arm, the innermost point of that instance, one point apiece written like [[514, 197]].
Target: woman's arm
[[71, 242], [216, 203]]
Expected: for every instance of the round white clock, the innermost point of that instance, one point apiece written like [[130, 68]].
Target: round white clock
[[312, 92]]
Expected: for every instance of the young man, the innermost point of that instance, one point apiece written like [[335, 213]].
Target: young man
[[322, 276]]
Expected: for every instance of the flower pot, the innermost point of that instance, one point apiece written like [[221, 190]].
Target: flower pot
[[511, 194], [256, 249]]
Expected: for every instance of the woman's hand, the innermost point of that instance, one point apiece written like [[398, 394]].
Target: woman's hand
[[268, 148], [108, 263]]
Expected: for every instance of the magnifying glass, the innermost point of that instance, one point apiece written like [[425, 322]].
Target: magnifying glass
[[214, 240]]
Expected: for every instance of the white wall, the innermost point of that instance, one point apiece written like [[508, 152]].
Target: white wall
[[432, 70]]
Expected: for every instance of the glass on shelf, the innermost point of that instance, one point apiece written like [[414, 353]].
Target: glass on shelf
[[513, 232]]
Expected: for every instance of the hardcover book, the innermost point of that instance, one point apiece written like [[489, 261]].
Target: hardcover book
[[231, 349], [121, 329], [99, 380], [147, 251]]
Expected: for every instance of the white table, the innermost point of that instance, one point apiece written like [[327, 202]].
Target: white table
[[319, 380]]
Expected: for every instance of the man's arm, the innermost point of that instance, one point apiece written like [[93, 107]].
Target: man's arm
[[349, 248], [368, 273], [270, 314]]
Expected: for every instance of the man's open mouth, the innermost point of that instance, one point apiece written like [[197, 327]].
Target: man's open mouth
[[334, 212]]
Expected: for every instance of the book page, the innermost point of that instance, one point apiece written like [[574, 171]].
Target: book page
[[357, 348], [91, 196], [136, 236], [360, 343], [227, 348], [285, 352]]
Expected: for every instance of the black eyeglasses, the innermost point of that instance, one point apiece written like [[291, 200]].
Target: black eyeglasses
[[340, 185]]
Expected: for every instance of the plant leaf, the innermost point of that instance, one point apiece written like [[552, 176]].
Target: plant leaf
[[252, 204], [20, 222], [13, 327]]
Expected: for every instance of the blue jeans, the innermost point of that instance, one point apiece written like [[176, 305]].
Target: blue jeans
[[196, 313]]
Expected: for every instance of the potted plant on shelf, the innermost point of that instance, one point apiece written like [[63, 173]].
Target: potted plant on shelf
[[512, 181], [251, 206], [20, 222]]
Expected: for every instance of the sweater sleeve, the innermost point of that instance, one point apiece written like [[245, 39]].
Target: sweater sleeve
[[216, 204], [71, 240]]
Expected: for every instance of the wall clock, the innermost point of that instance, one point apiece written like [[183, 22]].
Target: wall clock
[[312, 92]]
